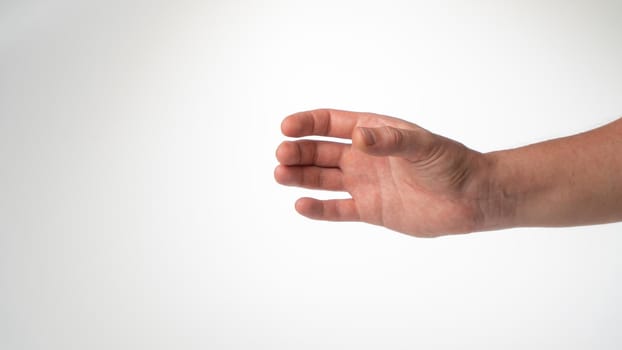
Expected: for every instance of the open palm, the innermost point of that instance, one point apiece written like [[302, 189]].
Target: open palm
[[398, 174]]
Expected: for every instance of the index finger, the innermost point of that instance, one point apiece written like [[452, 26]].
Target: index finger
[[320, 122]]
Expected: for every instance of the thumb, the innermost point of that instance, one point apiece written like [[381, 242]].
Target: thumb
[[390, 141]]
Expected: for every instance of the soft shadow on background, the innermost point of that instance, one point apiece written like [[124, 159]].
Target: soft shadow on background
[[138, 208]]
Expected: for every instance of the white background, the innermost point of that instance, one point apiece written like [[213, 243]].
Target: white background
[[138, 208]]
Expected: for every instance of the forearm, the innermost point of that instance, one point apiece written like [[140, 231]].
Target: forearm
[[575, 180]]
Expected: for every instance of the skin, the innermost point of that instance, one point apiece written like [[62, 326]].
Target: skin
[[410, 180]]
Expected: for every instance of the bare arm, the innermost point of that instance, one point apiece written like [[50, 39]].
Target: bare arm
[[575, 180]]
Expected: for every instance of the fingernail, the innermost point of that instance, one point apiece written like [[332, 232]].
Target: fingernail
[[368, 136]]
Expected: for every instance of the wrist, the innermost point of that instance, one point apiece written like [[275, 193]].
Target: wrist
[[500, 198]]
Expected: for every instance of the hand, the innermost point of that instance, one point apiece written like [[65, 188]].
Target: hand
[[399, 175]]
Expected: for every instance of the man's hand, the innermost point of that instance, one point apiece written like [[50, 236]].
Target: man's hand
[[398, 174]]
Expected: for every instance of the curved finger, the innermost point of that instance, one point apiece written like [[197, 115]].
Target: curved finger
[[330, 179], [307, 152], [330, 210], [321, 122]]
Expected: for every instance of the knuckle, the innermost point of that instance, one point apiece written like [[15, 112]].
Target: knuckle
[[299, 153], [315, 155], [395, 136]]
